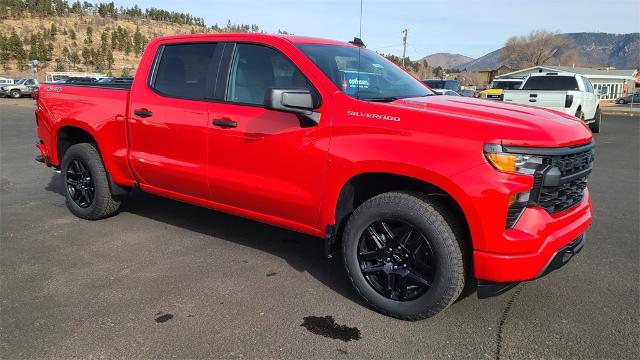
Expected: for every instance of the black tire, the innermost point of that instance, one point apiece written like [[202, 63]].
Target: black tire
[[94, 201], [15, 94], [434, 225], [597, 121], [621, 101], [580, 115]]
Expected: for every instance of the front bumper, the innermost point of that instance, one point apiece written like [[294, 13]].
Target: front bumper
[[487, 289], [550, 233]]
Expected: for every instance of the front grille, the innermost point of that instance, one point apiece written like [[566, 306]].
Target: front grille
[[574, 169], [573, 163], [560, 198]]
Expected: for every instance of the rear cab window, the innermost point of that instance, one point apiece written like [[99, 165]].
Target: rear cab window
[[552, 82]]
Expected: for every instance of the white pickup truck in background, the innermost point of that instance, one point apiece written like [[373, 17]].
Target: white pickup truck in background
[[570, 93]]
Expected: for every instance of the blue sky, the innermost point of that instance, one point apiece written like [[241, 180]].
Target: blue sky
[[472, 27]]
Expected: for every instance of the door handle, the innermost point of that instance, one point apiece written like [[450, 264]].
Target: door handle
[[143, 113], [225, 123]]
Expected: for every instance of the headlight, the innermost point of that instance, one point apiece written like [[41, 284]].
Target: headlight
[[511, 163]]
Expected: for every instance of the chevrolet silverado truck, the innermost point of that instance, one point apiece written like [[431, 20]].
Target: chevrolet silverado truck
[[420, 195], [569, 93]]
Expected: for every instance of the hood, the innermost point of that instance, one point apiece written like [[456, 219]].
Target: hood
[[511, 123]]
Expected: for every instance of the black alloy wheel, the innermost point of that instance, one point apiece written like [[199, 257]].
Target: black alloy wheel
[[396, 260], [80, 184]]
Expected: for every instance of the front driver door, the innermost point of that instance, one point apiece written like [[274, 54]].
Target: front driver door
[[262, 160]]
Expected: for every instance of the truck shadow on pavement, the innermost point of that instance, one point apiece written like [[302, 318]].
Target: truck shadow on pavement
[[302, 252]]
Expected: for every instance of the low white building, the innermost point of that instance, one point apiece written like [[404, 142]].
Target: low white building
[[610, 83]]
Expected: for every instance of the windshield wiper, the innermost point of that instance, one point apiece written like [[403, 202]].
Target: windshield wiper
[[382, 99], [393, 98]]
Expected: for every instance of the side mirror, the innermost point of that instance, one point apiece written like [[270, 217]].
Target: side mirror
[[292, 100]]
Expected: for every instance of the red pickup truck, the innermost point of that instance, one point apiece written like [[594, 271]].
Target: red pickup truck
[[421, 194]]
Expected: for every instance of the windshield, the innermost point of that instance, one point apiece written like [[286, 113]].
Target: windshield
[[363, 74], [506, 85]]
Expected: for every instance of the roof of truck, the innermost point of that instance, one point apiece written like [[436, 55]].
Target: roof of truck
[[259, 36]]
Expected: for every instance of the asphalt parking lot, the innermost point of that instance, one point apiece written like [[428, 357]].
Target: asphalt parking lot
[[165, 279]]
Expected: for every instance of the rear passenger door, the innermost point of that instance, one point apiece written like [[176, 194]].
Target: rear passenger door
[[168, 119], [266, 161]]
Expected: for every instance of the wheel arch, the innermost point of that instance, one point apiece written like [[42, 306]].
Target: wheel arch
[[364, 185], [71, 134]]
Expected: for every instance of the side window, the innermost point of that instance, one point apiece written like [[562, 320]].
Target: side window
[[255, 69], [29, 82], [184, 71], [588, 86]]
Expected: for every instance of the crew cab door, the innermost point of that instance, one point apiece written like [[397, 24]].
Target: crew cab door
[[265, 161], [168, 119]]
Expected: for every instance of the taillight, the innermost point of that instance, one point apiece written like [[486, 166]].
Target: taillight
[[568, 101]]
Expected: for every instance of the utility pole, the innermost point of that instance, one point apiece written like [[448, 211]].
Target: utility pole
[[405, 33]]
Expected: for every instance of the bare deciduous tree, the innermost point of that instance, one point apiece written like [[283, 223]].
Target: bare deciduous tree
[[539, 47]]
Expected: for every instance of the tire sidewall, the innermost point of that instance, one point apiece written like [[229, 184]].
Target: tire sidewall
[[88, 155], [441, 290], [14, 94]]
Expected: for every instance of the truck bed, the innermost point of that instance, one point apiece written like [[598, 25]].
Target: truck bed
[[92, 107]]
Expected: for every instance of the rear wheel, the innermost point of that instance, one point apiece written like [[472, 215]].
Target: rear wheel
[[402, 255], [621, 101], [597, 120], [580, 115], [15, 94], [87, 188]]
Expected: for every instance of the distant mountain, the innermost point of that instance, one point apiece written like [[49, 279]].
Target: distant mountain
[[595, 49], [446, 60]]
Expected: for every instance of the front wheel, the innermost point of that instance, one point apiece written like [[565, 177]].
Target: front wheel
[[403, 254], [597, 121], [87, 189]]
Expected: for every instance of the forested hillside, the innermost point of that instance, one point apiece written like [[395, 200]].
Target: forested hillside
[[65, 36]]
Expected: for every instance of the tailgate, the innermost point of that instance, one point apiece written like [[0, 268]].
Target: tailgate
[[547, 99]]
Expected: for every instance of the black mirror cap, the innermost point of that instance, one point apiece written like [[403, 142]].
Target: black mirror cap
[[298, 101]]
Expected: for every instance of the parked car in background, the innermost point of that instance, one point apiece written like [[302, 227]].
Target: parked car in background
[[438, 84], [423, 194], [53, 77], [116, 80], [445, 92], [629, 99], [24, 87], [76, 80], [494, 92], [569, 93], [467, 93]]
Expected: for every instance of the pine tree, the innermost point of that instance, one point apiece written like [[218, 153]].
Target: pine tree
[[138, 42], [53, 31], [59, 65], [109, 59], [89, 39]]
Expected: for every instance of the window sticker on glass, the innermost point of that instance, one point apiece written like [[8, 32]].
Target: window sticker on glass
[[352, 79]]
